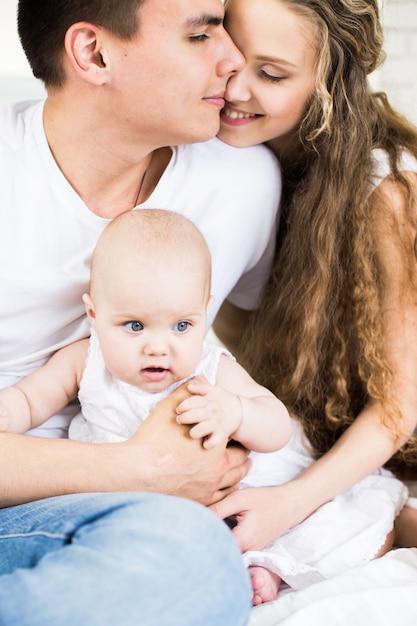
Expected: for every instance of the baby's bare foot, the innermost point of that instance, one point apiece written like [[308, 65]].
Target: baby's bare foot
[[265, 585]]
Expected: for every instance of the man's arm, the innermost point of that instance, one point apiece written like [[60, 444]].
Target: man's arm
[[160, 457]]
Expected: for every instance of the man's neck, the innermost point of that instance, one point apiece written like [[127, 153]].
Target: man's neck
[[110, 176]]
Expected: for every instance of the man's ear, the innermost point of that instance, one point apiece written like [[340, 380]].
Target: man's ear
[[84, 48], [89, 308]]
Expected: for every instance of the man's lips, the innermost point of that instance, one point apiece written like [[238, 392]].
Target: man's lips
[[217, 100]]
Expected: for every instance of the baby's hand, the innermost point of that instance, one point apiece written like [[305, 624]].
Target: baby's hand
[[216, 413]]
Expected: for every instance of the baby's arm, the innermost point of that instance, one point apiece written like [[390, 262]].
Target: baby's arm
[[237, 408], [44, 392], [14, 411]]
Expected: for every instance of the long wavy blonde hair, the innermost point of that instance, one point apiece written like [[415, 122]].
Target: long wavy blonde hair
[[317, 339]]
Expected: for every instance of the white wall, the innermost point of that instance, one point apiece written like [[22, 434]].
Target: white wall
[[16, 79], [12, 59], [398, 76]]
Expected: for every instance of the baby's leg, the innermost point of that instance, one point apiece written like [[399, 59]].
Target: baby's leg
[[406, 528], [389, 542], [265, 584]]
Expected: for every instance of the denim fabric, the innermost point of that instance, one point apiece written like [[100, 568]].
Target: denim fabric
[[119, 559]]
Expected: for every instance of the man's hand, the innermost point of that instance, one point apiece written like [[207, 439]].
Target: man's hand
[[160, 457], [172, 462]]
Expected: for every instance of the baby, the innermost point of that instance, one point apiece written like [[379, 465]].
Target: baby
[[149, 293]]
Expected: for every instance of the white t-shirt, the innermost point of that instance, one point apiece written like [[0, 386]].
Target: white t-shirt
[[382, 167], [47, 234]]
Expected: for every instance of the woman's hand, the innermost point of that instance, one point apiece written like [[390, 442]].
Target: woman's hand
[[265, 513], [262, 514]]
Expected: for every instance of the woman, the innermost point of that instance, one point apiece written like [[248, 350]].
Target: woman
[[335, 338]]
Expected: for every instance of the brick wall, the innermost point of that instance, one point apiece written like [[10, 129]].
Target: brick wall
[[398, 75]]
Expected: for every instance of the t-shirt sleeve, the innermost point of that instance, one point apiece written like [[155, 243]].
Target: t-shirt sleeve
[[248, 290]]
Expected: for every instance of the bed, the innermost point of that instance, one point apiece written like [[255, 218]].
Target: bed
[[381, 593]]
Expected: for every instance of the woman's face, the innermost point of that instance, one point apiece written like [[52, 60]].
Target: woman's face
[[267, 98]]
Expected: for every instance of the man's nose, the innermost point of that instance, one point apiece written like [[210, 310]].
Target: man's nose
[[232, 59]]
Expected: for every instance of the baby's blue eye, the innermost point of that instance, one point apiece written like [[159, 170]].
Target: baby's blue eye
[[182, 326], [133, 326]]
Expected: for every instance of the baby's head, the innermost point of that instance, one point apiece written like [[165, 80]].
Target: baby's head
[[149, 293], [146, 240]]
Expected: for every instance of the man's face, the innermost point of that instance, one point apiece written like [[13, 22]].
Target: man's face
[[168, 83]]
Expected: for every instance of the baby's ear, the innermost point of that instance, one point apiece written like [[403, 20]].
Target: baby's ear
[[210, 301], [89, 308]]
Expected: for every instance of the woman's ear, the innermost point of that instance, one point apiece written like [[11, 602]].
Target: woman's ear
[[84, 48], [89, 308]]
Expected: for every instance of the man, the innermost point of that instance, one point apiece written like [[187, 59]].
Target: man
[[125, 79]]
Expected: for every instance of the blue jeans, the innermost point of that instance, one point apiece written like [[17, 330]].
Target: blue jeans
[[108, 559]]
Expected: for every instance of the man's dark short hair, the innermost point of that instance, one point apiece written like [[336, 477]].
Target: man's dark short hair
[[42, 25]]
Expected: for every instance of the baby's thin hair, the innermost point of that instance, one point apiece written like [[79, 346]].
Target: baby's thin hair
[[152, 234]]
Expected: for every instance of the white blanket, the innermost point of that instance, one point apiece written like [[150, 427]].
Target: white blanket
[[380, 593]]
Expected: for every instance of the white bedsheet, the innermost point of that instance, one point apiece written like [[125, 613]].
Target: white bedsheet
[[380, 593]]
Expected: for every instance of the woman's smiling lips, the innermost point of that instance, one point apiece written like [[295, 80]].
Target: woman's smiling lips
[[235, 117]]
